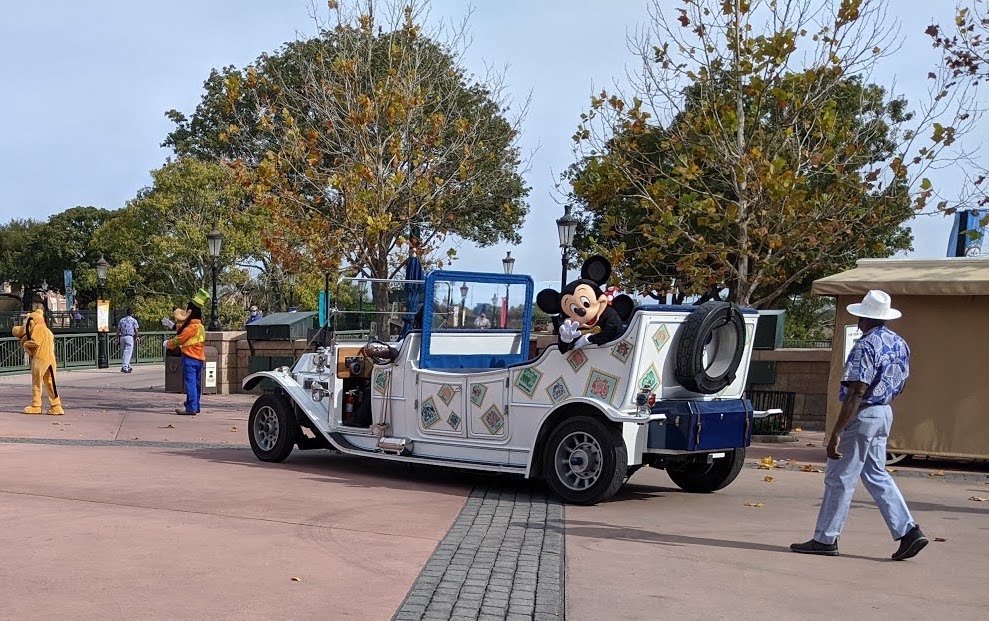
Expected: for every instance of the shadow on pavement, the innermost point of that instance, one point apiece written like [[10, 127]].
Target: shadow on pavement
[[354, 471], [600, 530], [921, 506]]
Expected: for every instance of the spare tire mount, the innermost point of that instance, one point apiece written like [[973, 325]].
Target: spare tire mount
[[710, 347]]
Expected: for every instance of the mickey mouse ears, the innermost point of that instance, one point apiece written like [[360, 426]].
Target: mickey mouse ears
[[596, 268]]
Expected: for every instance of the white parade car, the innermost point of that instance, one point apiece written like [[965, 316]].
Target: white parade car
[[668, 393]]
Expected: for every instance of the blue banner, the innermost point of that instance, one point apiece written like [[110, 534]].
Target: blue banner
[[967, 233], [69, 291]]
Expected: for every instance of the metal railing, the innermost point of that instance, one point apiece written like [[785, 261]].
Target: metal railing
[[64, 321], [74, 351], [774, 424], [798, 344]]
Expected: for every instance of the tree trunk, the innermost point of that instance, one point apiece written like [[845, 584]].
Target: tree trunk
[[741, 184]]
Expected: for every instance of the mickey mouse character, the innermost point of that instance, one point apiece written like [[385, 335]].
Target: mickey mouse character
[[591, 314]]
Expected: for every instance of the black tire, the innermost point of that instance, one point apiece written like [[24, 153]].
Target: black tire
[[272, 428], [585, 460], [703, 478], [710, 320]]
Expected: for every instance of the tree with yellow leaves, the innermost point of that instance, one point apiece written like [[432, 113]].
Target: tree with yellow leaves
[[351, 140]]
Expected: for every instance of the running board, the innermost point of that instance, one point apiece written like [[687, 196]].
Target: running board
[[345, 446]]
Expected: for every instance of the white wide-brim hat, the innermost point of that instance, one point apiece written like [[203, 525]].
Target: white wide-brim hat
[[875, 305]]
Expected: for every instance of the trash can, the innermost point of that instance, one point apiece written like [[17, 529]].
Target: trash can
[[174, 382], [282, 327]]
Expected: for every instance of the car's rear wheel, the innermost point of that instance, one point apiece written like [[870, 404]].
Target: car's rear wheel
[[701, 477], [272, 428], [585, 460]]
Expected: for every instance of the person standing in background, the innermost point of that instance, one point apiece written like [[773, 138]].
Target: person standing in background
[[128, 333]]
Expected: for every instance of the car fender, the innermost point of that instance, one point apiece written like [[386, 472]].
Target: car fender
[[632, 435], [301, 397]]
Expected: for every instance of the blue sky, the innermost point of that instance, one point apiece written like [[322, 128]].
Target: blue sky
[[85, 86]]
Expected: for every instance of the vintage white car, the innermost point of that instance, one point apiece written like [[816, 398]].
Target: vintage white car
[[668, 393]]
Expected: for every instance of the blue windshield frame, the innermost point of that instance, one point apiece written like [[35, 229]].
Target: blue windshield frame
[[428, 360]]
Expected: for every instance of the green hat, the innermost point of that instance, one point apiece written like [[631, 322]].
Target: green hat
[[201, 298]]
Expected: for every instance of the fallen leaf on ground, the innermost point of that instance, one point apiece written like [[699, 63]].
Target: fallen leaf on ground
[[797, 430], [135, 438], [810, 468], [940, 539], [811, 444], [768, 479], [754, 504], [936, 473], [890, 469], [233, 429], [56, 423], [978, 499], [168, 426], [296, 579], [767, 463]]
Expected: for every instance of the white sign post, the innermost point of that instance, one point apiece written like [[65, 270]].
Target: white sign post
[[210, 380], [852, 335]]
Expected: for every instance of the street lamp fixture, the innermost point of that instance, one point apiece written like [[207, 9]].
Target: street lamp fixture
[[102, 344], [509, 264], [463, 303], [567, 228], [290, 277], [215, 240]]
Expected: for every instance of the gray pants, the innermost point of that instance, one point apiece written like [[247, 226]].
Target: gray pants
[[127, 350], [863, 456]]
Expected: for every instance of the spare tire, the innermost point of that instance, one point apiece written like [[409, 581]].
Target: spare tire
[[710, 347]]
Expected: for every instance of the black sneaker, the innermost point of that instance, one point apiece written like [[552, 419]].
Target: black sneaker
[[815, 547], [910, 544]]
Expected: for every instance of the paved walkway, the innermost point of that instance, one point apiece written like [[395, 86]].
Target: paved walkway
[[120, 510]]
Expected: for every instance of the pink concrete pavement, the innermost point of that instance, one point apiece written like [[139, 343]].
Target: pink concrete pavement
[[105, 404], [103, 532], [157, 533], [655, 552]]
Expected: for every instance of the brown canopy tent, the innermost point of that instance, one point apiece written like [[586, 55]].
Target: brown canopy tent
[[944, 409]]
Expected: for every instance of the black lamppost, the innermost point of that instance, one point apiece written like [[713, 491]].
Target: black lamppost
[[290, 277], [567, 227], [102, 344], [215, 240], [508, 263], [463, 303]]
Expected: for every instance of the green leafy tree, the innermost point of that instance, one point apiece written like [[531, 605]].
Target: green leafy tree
[[752, 156], [157, 248], [365, 141]]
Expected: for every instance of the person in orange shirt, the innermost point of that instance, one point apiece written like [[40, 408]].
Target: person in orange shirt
[[190, 339]]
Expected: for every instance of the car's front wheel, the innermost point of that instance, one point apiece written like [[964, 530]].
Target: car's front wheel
[[272, 428], [585, 460]]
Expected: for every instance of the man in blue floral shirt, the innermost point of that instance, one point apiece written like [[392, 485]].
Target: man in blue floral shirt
[[875, 373]]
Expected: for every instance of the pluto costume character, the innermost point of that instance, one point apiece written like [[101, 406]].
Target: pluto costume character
[[39, 343], [591, 316]]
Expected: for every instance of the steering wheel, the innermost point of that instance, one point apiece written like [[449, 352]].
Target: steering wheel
[[380, 352]]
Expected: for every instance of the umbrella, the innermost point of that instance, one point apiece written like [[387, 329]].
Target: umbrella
[[413, 292]]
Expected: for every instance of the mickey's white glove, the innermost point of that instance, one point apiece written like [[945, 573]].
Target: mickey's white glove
[[569, 331], [583, 341]]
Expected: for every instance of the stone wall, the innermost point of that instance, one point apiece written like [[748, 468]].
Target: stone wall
[[804, 372]]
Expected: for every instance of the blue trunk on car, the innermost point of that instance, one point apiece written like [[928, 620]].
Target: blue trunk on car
[[701, 425]]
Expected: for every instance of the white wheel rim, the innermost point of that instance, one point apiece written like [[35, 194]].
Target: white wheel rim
[[579, 461], [266, 428]]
